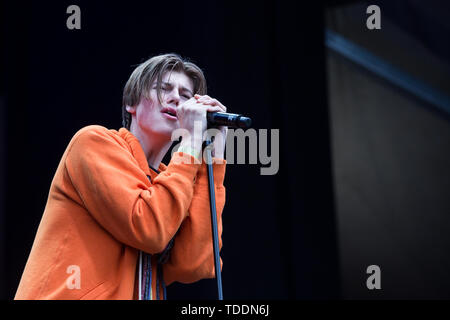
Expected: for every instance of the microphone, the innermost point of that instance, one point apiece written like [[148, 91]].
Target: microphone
[[231, 120]]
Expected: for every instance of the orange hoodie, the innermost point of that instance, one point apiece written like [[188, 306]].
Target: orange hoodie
[[102, 209]]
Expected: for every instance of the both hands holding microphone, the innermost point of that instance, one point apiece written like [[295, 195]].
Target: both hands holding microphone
[[194, 111]]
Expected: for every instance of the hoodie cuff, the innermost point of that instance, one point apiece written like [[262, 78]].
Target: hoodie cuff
[[185, 164]]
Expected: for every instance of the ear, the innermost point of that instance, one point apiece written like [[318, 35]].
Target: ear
[[130, 109]]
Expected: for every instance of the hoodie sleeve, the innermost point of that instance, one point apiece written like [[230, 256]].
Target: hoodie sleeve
[[119, 196], [192, 257]]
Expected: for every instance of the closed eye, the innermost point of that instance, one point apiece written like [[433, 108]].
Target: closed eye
[[163, 87]]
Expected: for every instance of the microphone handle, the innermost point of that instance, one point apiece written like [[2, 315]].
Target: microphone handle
[[231, 120]]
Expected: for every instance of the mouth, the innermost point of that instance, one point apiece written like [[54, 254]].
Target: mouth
[[170, 113]]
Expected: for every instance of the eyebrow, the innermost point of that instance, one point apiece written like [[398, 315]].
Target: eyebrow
[[182, 88]]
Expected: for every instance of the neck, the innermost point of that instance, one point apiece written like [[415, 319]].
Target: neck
[[155, 147]]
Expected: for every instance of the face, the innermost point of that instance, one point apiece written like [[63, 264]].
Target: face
[[154, 118]]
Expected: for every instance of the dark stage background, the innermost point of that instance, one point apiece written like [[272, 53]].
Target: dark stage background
[[263, 59], [363, 176]]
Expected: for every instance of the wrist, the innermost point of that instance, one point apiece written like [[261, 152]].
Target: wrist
[[194, 149]]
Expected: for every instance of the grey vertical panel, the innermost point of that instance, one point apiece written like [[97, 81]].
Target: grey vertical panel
[[392, 180], [390, 163]]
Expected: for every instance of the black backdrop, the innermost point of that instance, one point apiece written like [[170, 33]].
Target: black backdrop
[[263, 59]]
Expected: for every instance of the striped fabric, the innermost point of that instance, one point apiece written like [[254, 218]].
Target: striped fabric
[[145, 272]]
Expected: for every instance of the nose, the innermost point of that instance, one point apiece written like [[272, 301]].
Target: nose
[[173, 97]]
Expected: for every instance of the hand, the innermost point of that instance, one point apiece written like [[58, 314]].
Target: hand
[[191, 113], [219, 145]]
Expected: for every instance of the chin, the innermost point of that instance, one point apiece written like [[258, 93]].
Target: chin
[[167, 132]]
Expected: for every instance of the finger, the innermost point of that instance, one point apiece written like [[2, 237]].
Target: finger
[[189, 101], [205, 107], [213, 102], [207, 99], [214, 109], [218, 103], [202, 99]]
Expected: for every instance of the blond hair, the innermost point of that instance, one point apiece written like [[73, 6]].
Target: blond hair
[[139, 84]]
